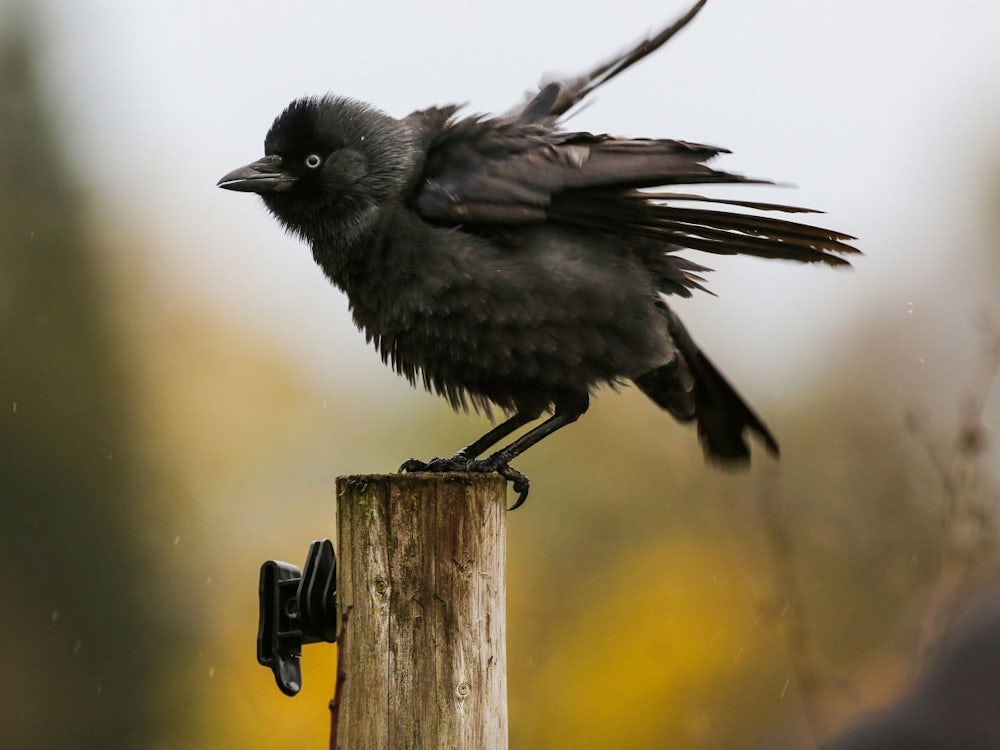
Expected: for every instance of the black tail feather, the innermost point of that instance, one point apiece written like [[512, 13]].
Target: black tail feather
[[699, 392]]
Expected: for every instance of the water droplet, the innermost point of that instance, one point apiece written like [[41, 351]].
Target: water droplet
[[77, 647], [15, 407], [211, 672], [177, 540], [55, 615], [784, 688], [208, 581]]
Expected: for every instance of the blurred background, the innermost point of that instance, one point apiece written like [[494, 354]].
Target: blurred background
[[179, 386]]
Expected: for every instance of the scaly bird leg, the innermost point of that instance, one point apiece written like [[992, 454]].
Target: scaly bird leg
[[566, 413]]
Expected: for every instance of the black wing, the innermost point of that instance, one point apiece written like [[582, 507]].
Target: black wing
[[484, 173], [490, 173], [555, 98]]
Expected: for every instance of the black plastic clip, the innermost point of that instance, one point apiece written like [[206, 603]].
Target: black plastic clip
[[296, 607]]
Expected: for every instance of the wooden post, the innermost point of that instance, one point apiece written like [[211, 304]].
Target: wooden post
[[421, 559]]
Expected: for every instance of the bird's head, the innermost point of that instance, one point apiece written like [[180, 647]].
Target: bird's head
[[329, 163]]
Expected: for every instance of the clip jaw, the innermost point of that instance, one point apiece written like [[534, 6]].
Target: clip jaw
[[296, 607]]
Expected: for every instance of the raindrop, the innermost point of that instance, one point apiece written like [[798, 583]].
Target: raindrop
[[909, 308], [15, 407], [55, 615], [784, 688], [208, 581], [211, 672], [177, 540], [77, 647]]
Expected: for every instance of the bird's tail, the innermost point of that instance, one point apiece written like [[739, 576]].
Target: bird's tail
[[691, 388]]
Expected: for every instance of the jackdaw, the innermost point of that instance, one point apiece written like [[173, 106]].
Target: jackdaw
[[505, 261]]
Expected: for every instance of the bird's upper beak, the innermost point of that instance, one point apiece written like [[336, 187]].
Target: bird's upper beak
[[262, 176]]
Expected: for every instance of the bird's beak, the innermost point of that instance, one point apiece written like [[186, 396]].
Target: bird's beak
[[262, 176]]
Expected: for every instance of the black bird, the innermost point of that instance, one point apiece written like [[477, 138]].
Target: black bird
[[504, 261]]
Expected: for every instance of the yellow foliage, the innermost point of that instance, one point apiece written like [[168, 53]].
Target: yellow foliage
[[641, 663]]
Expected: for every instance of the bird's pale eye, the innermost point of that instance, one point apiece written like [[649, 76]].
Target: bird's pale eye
[[313, 161]]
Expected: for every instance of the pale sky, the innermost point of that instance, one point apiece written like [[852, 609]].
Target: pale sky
[[885, 114]]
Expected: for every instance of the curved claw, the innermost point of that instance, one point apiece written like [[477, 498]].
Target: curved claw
[[412, 464], [519, 482]]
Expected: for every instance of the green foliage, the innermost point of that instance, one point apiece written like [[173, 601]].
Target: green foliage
[[80, 644]]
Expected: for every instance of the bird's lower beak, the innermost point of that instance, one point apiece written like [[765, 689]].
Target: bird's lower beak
[[262, 176]]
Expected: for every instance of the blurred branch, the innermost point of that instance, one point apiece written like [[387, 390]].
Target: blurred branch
[[968, 513], [788, 608]]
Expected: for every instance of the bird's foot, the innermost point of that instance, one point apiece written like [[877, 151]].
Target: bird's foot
[[460, 462]]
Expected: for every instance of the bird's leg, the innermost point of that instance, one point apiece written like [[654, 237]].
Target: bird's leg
[[500, 460], [509, 452], [461, 460], [567, 411], [498, 433]]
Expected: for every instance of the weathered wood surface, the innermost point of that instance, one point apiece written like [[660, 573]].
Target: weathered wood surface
[[421, 558]]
